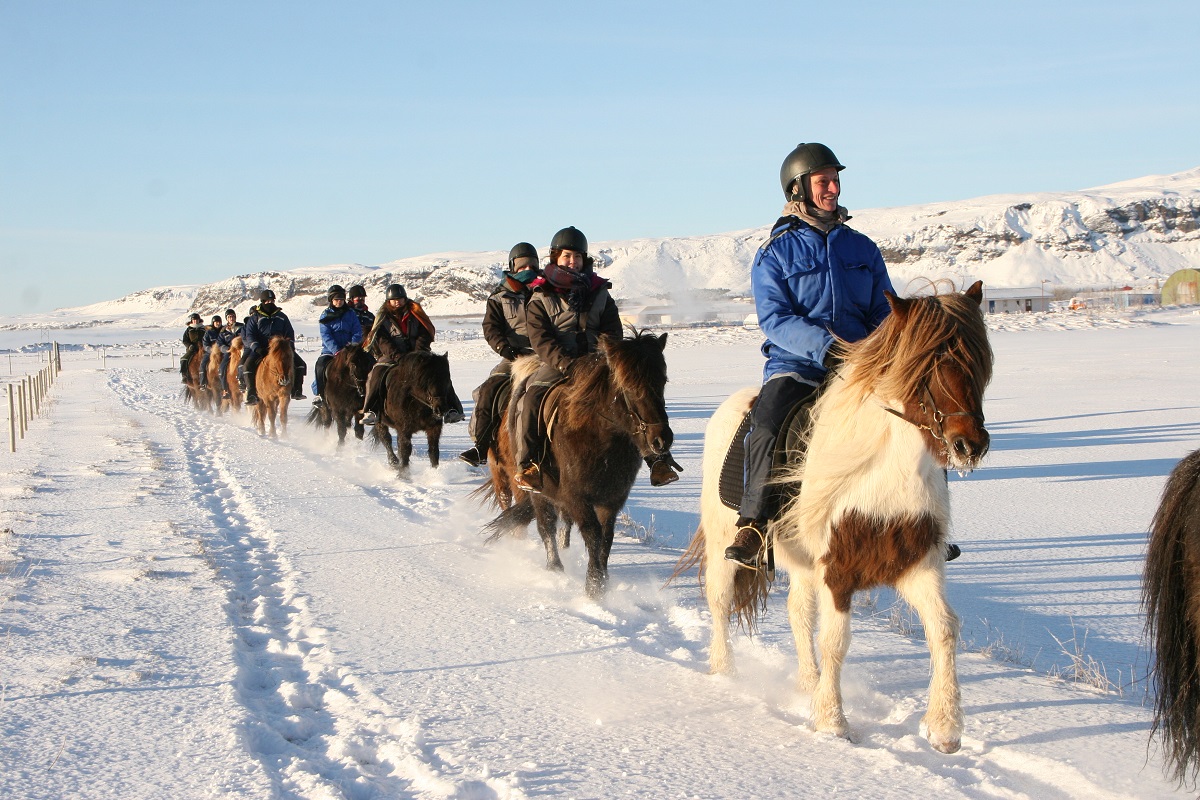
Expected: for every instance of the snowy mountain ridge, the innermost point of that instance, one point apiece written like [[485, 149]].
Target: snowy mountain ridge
[[1134, 232]]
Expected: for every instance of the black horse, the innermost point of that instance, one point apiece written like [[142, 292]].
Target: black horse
[[1171, 599], [608, 417], [415, 398], [344, 380]]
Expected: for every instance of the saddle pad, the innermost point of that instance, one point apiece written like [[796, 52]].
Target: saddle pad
[[788, 447], [733, 469]]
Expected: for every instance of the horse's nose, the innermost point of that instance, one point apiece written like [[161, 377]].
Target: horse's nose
[[967, 449]]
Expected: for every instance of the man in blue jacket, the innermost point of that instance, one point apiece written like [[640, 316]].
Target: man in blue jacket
[[265, 321], [815, 281], [339, 327]]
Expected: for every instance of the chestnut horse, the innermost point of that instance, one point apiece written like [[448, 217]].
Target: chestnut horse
[[344, 380], [231, 374], [1171, 600], [213, 377], [874, 506], [274, 385], [608, 416]]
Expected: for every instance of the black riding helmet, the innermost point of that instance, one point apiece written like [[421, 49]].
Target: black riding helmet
[[356, 291], [526, 253], [194, 318], [266, 296], [229, 312], [217, 321], [804, 160], [396, 292], [570, 239], [336, 291]]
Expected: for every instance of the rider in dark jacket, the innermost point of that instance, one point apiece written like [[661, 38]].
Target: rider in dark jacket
[[339, 327], [504, 329], [401, 327], [267, 320], [231, 331], [357, 298], [193, 336], [568, 313], [212, 335]]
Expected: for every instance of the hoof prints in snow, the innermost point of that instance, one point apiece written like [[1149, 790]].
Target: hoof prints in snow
[[307, 722]]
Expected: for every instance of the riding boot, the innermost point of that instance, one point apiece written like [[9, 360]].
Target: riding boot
[[476, 457], [241, 377], [662, 470], [251, 390], [953, 551], [749, 543], [183, 369]]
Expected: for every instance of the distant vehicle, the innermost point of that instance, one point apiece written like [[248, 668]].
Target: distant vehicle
[[1077, 304]]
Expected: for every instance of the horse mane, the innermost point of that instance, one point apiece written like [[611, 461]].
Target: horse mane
[[894, 360], [631, 365]]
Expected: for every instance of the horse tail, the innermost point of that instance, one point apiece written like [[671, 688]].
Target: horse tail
[[320, 416], [484, 493], [1170, 594], [692, 557], [513, 519]]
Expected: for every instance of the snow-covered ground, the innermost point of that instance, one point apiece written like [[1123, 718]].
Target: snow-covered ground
[[188, 610]]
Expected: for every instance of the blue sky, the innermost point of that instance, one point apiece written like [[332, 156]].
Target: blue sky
[[158, 143]]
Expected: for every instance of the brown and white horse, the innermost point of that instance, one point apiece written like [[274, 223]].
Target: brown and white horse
[[874, 506], [275, 375]]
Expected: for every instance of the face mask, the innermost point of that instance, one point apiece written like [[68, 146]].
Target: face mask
[[525, 275]]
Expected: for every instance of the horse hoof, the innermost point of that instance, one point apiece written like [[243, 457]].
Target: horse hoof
[[943, 744]]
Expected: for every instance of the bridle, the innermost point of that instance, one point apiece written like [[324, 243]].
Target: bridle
[[936, 416]]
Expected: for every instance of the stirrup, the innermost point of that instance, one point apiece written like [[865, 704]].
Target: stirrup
[[734, 553], [523, 478]]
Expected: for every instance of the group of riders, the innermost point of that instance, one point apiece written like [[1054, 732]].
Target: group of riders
[[816, 283]]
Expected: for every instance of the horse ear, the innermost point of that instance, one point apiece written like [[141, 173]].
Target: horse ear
[[975, 292], [899, 305], [662, 341]]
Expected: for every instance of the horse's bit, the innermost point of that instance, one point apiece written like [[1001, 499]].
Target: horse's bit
[[936, 416]]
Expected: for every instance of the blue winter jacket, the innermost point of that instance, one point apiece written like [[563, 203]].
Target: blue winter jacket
[[262, 325], [809, 286], [339, 327]]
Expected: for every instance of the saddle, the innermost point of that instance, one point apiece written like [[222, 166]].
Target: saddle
[[789, 446]]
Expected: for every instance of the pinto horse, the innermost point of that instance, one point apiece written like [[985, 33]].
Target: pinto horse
[[874, 507], [1171, 600], [415, 392], [344, 380], [608, 415], [275, 375]]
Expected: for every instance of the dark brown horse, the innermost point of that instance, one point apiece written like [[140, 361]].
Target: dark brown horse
[[344, 380], [1171, 600], [191, 390], [608, 416], [415, 392], [275, 375], [869, 503]]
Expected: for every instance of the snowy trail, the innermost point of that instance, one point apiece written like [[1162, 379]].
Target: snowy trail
[[355, 637]]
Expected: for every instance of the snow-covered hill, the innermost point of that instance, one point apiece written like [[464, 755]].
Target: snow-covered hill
[[1135, 232]]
